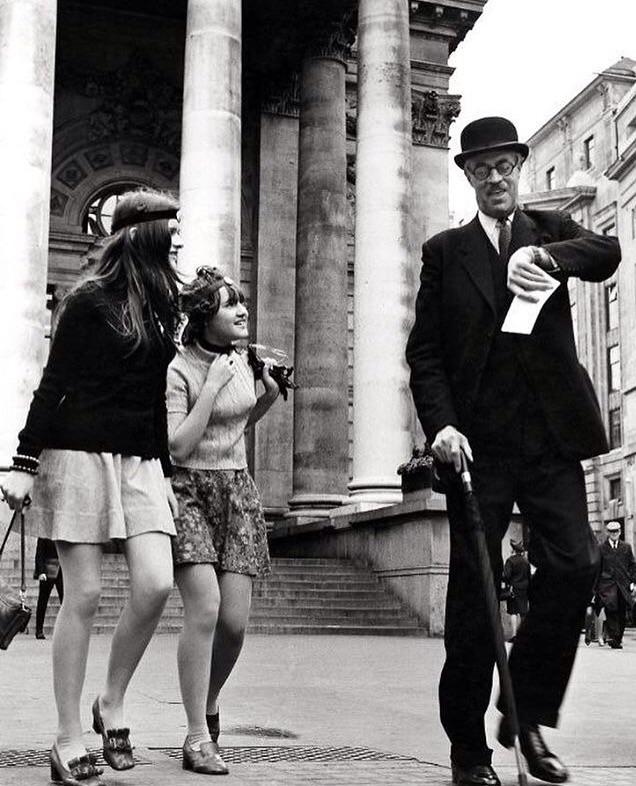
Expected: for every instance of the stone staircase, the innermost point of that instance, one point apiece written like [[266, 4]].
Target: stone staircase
[[312, 596]]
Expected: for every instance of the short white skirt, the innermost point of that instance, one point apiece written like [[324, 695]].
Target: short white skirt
[[83, 497]]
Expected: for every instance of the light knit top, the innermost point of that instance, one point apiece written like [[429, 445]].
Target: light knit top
[[222, 445]]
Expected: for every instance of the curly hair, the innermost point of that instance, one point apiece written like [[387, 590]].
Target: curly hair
[[200, 300]]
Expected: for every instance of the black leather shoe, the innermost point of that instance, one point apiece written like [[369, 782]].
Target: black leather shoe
[[542, 763], [477, 775], [39, 634], [80, 771], [117, 749]]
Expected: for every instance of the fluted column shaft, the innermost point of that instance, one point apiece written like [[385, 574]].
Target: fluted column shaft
[[27, 67], [320, 404], [382, 299], [210, 182]]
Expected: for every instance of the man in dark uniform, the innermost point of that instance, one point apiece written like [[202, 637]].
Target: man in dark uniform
[[523, 410], [615, 583]]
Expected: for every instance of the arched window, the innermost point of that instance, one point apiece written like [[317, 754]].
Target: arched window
[[98, 216]]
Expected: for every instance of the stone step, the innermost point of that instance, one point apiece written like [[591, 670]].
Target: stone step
[[301, 596]]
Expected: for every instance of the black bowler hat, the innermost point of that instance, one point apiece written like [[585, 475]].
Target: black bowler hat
[[489, 133]]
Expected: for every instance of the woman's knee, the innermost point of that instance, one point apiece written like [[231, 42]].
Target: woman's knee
[[84, 600], [232, 628]]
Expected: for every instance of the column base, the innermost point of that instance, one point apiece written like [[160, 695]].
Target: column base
[[310, 507], [375, 491]]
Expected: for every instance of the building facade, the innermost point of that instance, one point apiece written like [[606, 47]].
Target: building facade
[[582, 161], [307, 141]]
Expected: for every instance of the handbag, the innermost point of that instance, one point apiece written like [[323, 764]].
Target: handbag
[[14, 613]]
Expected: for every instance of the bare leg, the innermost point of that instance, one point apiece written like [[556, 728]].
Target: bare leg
[[81, 563], [149, 560], [236, 599], [200, 594]]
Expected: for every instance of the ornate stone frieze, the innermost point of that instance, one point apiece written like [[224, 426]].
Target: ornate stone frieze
[[432, 115], [136, 101]]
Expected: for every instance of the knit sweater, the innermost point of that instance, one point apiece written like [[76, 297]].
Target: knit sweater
[[95, 395], [222, 445]]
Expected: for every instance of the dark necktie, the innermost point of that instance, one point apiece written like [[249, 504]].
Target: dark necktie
[[505, 232]]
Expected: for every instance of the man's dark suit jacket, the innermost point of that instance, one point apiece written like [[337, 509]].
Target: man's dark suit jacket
[[455, 322], [618, 570]]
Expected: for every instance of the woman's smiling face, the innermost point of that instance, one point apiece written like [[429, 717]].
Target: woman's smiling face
[[229, 324]]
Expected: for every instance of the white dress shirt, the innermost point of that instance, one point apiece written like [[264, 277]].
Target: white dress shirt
[[491, 228]]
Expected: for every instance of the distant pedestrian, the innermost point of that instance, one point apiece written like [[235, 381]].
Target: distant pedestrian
[[221, 542], [615, 583], [96, 437], [48, 572], [516, 576]]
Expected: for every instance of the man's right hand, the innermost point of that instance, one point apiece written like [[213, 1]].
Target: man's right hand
[[448, 446]]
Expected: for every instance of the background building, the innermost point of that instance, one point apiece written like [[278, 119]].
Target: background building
[[307, 140], [582, 161]]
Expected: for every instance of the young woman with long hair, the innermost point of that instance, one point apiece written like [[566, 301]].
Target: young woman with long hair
[[221, 542], [93, 457]]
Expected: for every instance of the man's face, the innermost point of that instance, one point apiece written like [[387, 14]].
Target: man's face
[[496, 191], [614, 534]]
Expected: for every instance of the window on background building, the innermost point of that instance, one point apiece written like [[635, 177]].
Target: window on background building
[[614, 368], [615, 430], [588, 152], [549, 178], [615, 488], [99, 214], [633, 223], [611, 305]]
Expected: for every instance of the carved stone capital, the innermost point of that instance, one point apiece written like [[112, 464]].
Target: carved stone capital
[[432, 115], [332, 37], [283, 98]]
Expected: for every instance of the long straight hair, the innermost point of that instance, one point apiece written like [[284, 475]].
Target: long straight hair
[[134, 270]]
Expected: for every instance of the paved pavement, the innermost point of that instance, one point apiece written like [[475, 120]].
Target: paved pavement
[[331, 710]]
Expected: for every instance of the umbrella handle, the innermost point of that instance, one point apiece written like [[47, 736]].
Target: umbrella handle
[[467, 482]]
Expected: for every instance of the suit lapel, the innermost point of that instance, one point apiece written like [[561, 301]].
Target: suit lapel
[[474, 256]]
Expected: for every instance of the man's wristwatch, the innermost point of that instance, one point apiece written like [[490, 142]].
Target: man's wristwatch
[[541, 258]]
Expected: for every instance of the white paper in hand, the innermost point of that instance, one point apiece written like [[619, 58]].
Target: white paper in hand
[[523, 314]]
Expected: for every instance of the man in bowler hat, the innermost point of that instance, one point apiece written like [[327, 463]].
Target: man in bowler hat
[[523, 411], [615, 583]]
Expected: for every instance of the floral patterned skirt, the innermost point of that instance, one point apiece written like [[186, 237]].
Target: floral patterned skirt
[[220, 521]]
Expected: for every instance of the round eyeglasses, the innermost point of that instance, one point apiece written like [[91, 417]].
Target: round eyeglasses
[[504, 168]]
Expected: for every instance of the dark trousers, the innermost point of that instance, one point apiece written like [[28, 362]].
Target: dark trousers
[[550, 493], [46, 587], [615, 620]]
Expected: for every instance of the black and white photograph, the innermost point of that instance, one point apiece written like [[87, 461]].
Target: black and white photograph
[[317, 392]]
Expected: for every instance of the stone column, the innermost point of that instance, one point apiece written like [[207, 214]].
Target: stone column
[[27, 67], [320, 404], [275, 304], [210, 182], [383, 299]]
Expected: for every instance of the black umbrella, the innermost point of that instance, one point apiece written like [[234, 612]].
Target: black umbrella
[[478, 532]]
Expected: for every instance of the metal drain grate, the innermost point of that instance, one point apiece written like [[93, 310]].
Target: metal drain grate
[[254, 754], [258, 754], [32, 758]]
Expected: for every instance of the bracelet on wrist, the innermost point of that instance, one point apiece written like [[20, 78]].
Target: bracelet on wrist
[[27, 464]]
